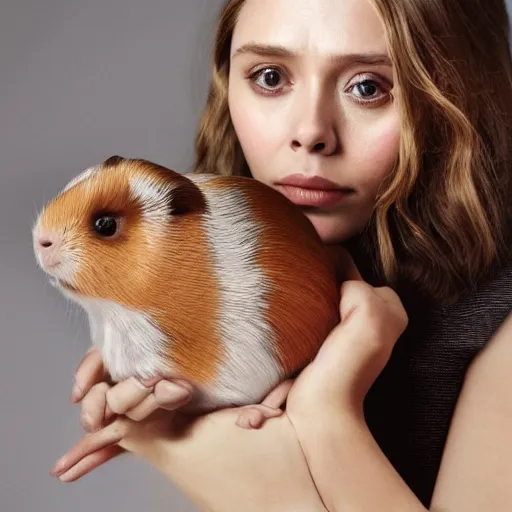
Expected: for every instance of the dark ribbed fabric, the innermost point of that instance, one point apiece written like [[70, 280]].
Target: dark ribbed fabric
[[410, 406]]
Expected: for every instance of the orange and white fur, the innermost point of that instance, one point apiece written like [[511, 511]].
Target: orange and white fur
[[219, 280]]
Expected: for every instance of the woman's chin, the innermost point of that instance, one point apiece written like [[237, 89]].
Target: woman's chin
[[332, 230]]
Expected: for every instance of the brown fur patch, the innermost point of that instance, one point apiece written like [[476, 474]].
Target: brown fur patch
[[304, 302]]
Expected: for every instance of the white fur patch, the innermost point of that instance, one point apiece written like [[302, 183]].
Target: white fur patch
[[69, 258], [247, 337], [85, 175], [132, 345], [153, 197]]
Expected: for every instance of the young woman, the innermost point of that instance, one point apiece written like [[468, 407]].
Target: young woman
[[401, 112]]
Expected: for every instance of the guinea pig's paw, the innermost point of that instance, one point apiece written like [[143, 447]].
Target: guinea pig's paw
[[254, 416]]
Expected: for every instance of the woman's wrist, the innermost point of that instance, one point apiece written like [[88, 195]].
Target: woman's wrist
[[349, 469]]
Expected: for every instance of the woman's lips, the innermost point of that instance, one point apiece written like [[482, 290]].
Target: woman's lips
[[311, 191]]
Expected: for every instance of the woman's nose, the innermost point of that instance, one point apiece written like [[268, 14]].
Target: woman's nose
[[316, 147], [315, 136]]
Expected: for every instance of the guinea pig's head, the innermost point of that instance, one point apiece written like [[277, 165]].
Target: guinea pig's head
[[108, 231]]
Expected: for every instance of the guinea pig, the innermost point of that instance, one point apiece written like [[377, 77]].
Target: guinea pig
[[219, 280]]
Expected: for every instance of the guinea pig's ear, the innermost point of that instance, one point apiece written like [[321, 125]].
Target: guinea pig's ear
[[185, 197], [113, 161]]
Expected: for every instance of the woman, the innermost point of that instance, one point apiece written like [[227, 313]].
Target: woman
[[406, 107]]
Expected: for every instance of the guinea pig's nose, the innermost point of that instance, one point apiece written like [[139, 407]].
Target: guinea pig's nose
[[45, 242], [48, 247]]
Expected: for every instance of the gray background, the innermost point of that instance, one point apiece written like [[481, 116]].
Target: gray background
[[79, 81]]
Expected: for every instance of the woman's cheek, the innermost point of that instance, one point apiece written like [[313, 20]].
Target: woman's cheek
[[257, 134], [378, 149], [257, 124]]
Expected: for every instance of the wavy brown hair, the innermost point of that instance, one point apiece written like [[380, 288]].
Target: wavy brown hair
[[442, 222]]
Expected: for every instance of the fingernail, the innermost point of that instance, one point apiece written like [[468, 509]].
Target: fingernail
[[58, 467], [87, 422], [66, 477], [175, 393], [76, 393], [150, 382]]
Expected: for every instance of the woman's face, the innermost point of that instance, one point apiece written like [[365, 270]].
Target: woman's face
[[310, 95]]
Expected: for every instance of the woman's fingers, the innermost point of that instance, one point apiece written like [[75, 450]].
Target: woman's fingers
[[89, 445], [171, 394], [90, 462], [141, 411], [100, 403], [166, 395], [277, 396], [95, 411], [133, 398], [127, 394], [253, 416], [90, 371]]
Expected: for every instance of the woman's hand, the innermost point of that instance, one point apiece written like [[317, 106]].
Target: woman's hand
[[218, 465], [133, 398], [355, 352], [325, 404], [104, 404]]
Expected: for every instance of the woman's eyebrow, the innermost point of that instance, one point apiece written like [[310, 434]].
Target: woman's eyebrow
[[266, 50]]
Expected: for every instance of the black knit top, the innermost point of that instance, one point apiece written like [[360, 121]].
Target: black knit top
[[410, 406]]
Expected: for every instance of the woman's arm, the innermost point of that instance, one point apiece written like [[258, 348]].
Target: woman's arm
[[221, 467], [476, 468], [349, 469], [352, 473], [325, 406]]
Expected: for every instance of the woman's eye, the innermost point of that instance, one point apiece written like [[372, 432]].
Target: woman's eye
[[366, 88], [268, 79], [368, 91]]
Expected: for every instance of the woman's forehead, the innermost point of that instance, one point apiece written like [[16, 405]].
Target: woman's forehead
[[321, 28]]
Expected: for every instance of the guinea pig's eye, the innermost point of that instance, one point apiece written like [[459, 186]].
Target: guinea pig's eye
[[105, 225]]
